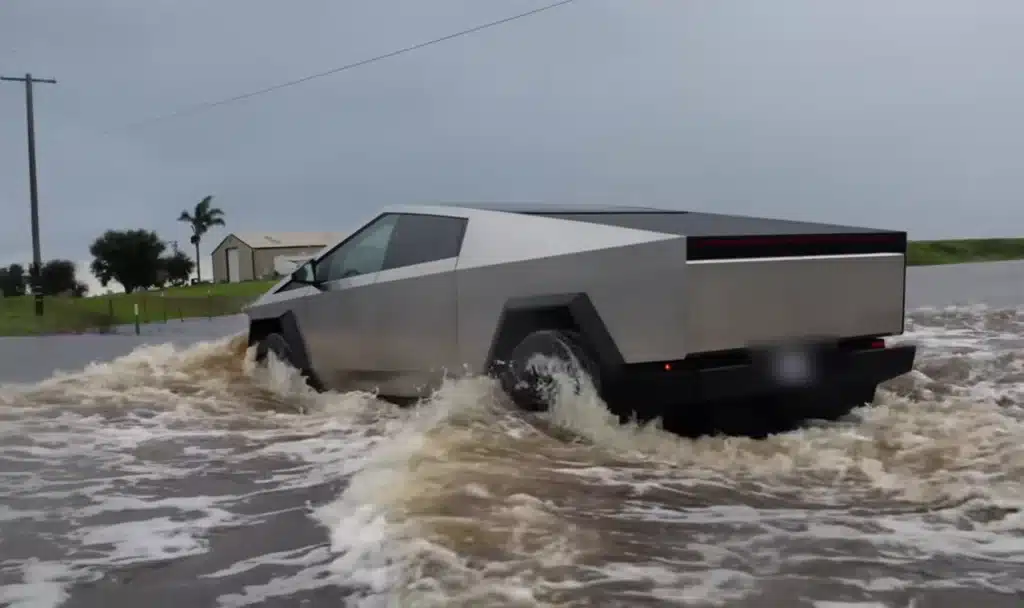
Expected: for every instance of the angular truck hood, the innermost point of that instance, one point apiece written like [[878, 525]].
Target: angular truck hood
[[270, 297]]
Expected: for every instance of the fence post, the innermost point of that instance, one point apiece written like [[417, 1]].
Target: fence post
[[136, 318]]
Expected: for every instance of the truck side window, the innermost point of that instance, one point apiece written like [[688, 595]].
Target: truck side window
[[418, 239], [362, 254]]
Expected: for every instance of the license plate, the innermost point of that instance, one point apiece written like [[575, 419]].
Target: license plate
[[792, 367]]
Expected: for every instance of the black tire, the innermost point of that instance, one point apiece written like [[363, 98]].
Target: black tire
[[277, 344], [531, 389], [274, 343]]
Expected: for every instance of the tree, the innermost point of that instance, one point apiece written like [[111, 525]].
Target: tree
[[12, 281], [178, 267], [59, 277], [201, 219], [130, 257]]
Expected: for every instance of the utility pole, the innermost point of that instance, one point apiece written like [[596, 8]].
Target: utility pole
[[33, 189]]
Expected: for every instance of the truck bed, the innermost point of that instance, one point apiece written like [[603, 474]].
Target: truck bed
[[733, 303], [751, 280]]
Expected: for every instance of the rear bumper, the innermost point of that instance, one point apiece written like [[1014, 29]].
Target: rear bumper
[[836, 370]]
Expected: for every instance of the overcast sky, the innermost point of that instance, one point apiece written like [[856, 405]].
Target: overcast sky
[[896, 114]]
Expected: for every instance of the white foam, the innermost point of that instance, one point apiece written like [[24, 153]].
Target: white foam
[[43, 586]]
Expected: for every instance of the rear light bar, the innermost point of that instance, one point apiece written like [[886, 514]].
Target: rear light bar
[[862, 344], [797, 245]]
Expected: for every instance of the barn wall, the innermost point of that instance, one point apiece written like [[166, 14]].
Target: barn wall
[[219, 257], [264, 258]]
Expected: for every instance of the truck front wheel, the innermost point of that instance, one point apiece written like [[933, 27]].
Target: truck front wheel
[[278, 344], [274, 343]]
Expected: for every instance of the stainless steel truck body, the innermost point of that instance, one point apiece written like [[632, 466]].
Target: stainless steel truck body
[[667, 310]]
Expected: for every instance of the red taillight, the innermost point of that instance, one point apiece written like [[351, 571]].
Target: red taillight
[[799, 239], [877, 344]]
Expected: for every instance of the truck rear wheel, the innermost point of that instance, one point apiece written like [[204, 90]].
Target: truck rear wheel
[[531, 387]]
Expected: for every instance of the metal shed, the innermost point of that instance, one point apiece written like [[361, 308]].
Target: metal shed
[[247, 256]]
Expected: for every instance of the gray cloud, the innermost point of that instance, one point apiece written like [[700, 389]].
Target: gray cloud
[[877, 113]]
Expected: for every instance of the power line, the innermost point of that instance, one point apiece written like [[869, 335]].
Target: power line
[[212, 104]]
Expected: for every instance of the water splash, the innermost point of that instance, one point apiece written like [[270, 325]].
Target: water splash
[[153, 459]]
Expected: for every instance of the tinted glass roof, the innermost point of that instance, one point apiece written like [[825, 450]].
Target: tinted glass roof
[[681, 222], [707, 224], [549, 208]]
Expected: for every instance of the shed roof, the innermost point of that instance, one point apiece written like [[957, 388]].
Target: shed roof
[[284, 240]]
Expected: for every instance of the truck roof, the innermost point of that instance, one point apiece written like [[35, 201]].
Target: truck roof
[[673, 221]]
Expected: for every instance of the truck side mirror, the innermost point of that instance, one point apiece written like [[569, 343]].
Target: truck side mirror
[[306, 274]]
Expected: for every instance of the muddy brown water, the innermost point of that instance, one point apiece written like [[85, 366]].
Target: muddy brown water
[[162, 470]]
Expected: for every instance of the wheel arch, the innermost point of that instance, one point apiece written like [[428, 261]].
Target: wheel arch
[[286, 325], [569, 311]]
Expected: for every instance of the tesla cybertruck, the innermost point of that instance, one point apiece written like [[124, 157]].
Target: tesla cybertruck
[[669, 313]]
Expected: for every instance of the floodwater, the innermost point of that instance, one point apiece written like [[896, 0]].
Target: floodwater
[[162, 470]]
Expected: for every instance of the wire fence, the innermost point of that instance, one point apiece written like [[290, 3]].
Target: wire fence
[[104, 314]]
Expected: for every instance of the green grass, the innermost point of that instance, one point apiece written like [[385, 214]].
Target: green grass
[[246, 289], [962, 251], [69, 315]]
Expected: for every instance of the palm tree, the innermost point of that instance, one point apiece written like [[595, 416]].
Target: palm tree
[[201, 219]]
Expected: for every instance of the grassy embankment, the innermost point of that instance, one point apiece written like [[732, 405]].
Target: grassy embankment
[[68, 315], [96, 313], [962, 251]]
